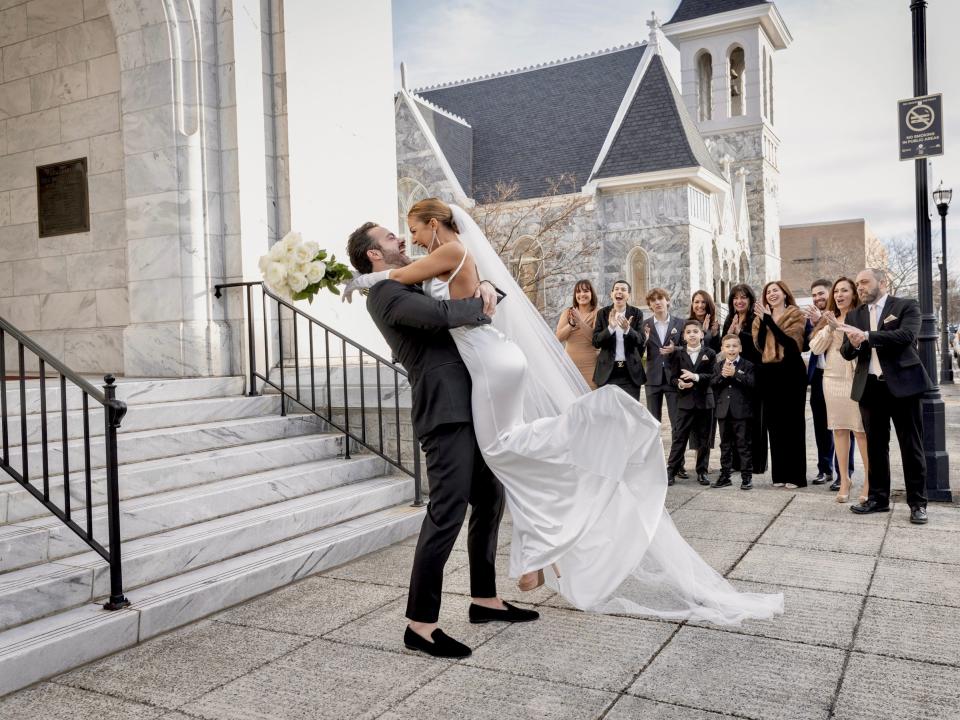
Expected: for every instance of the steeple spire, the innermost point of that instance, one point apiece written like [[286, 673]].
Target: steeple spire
[[655, 33]]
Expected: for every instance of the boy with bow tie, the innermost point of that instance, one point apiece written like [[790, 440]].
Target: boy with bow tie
[[733, 381], [691, 373]]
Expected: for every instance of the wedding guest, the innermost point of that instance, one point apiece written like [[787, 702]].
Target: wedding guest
[[778, 331], [819, 293], [843, 413], [621, 347], [739, 322], [691, 370], [575, 330], [732, 382], [703, 309], [881, 334]]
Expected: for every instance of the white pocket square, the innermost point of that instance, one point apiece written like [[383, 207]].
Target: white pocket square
[[888, 318]]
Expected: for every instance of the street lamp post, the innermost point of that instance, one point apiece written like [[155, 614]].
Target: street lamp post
[[934, 419], [942, 198]]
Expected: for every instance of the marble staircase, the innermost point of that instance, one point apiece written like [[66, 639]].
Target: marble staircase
[[222, 499]]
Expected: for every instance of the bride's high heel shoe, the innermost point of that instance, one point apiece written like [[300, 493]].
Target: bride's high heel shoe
[[532, 580]]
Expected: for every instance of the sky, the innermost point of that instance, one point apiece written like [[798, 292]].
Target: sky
[[836, 87]]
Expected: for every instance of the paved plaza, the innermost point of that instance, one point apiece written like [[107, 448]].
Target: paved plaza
[[871, 630]]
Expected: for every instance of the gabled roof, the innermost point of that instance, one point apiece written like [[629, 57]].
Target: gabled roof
[[693, 9], [538, 124], [455, 138], [657, 132]]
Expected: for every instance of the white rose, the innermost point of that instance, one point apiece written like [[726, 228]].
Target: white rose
[[264, 263], [291, 240], [275, 275], [278, 252], [312, 248], [316, 271], [297, 281], [301, 254]]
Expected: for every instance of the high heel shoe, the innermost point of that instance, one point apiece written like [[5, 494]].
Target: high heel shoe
[[531, 581], [842, 498]]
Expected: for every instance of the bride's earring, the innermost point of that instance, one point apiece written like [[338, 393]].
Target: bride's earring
[[433, 241]]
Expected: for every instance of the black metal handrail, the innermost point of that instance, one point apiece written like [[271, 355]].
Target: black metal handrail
[[113, 413], [377, 447]]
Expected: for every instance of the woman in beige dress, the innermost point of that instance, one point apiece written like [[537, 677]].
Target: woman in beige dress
[[843, 414], [575, 329]]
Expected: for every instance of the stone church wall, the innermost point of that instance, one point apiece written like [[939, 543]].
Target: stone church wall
[[59, 100], [415, 159]]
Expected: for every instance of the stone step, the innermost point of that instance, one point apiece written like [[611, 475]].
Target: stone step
[[46, 647], [155, 476], [133, 391], [32, 592], [177, 508], [141, 417], [165, 442]]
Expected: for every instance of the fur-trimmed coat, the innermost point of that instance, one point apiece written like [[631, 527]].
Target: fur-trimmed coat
[[790, 328]]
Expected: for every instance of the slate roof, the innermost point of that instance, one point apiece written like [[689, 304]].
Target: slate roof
[[693, 9], [657, 132], [455, 140], [535, 125]]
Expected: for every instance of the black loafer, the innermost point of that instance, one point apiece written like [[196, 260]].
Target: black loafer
[[870, 506], [822, 479], [746, 484], [722, 482], [512, 614], [442, 646], [671, 480], [703, 479], [918, 515], [682, 474], [835, 487]]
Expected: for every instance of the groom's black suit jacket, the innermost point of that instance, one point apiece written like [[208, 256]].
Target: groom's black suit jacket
[[415, 327]]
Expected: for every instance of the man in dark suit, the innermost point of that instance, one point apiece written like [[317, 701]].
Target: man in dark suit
[[621, 346], [733, 381], [819, 292], [888, 383], [416, 328], [691, 371]]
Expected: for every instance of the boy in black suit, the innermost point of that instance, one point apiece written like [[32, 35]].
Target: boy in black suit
[[733, 386], [691, 373]]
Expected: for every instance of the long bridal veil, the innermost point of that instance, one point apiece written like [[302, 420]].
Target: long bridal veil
[[630, 556]]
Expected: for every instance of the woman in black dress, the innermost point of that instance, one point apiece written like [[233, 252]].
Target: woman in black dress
[[704, 310], [739, 322], [778, 333]]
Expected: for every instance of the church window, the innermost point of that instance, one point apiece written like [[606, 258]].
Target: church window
[[699, 205], [705, 86], [737, 84], [528, 270], [638, 274], [409, 192]]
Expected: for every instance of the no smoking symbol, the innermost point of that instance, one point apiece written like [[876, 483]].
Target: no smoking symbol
[[920, 118]]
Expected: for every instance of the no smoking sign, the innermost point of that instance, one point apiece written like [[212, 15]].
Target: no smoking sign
[[921, 127]]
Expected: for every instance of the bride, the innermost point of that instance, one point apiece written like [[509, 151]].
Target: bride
[[583, 471]]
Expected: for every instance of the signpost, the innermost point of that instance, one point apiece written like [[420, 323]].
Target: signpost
[[921, 127]]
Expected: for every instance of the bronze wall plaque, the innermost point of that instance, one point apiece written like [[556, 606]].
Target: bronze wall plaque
[[63, 202]]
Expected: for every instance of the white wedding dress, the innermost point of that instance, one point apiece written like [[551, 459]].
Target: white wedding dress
[[584, 472]]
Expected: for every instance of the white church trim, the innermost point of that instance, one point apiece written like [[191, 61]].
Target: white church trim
[[698, 176], [768, 15]]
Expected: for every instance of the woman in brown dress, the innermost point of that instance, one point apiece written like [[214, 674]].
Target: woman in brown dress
[[575, 329]]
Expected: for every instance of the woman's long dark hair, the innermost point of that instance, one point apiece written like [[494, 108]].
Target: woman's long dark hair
[[711, 306], [746, 291], [585, 285]]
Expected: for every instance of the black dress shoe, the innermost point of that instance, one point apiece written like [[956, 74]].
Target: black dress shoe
[[703, 479], [512, 614], [822, 479], [671, 480], [442, 646], [746, 484], [722, 482], [918, 515], [836, 485], [870, 506], [682, 474]]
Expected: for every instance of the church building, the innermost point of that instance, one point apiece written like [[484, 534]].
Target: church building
[[677, 176]]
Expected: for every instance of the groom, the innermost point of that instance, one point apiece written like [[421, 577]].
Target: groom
[[415, 327]]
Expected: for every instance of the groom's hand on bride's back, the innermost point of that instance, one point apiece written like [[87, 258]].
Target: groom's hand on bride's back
[[487, 292]]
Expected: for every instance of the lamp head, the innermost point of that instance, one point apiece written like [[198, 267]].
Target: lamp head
[[942, 197]]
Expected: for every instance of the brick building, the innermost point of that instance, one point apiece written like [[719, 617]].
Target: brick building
[[827, 250]]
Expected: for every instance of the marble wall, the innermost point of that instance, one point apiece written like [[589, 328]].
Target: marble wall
[[59, 100]]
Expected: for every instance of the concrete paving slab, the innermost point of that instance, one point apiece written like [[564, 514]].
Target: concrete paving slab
[[459, 582], [721, 555], [942, 516], [910, 630], [596, 651], [390, 566], [823, 506], [312, 607], [753, 677], [836, 572], [175, 668], [916, 581], [765, 501], [632, 708], [810, 616], [321, 681], [877, 687], [711, 524], [829, 535], [51, 701], [925, 543], [384, 628], [470, 693], [680, 495]]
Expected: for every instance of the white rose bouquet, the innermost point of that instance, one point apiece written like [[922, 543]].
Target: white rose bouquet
[[298, 269]]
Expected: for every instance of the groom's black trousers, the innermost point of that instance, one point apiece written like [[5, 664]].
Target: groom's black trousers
[[457, 476]]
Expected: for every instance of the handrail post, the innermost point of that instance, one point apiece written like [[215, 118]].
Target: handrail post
[[252, 351], [113, 412]]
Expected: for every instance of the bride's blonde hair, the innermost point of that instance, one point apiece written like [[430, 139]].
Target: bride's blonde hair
[[434, 209]]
